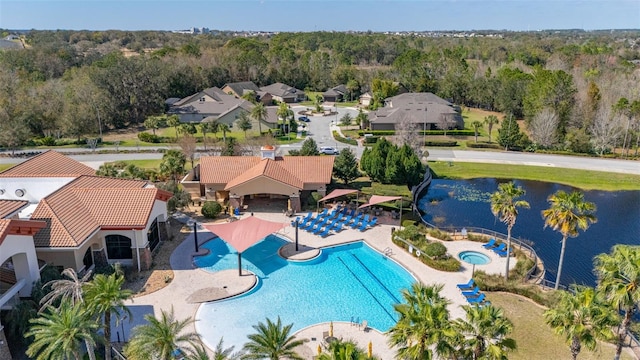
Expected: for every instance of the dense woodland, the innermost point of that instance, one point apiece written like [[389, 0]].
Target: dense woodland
[[577, 91]]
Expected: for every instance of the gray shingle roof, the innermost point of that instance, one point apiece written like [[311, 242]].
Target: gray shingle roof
[[282, 90], [412, 106], [242, 86]]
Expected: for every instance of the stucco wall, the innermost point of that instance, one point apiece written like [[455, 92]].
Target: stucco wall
[[26, 264]]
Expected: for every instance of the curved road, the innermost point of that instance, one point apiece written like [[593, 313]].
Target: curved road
[[320, 127]]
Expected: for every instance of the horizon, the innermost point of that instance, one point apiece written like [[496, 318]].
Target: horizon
[[310, 16]]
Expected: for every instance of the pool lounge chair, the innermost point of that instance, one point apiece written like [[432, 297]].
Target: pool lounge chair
[[499, 248], [477, 300], [367, 224], [356, 221], [326, 232], [468, 286], [504, 252], [473, 293], [490, 244]]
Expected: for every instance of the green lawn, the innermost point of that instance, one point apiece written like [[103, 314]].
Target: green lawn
[[4, 167], [536, 340], [583, 179]]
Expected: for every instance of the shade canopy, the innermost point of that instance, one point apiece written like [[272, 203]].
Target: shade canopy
[[377, 199], [244, 233], [337, 193]]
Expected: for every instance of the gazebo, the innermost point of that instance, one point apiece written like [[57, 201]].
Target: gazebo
[[377, 199], [244, 233]]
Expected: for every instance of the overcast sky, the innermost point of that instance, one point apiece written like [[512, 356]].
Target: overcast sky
[[326, 15]]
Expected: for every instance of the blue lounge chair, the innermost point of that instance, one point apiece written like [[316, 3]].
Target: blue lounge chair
[[476, 300], [356, 221], [490, 244], [473, 293], [468, 286], [372, 223], [326, 232], [504, 252], [499, 248]]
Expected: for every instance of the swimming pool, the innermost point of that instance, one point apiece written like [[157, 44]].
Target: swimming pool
[[345, 282]]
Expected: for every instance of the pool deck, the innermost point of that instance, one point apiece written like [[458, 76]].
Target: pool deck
[[191, 285]]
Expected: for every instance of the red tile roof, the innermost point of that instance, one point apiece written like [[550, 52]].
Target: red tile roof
[[89, 203], [8, 207], [292, 170], [19, 227], [49, 164]]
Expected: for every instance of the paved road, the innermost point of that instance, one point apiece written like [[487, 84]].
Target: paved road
[[319, 128]]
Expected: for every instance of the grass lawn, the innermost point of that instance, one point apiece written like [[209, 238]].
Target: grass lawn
[[4, 167], [152, 164], [369, 188], [583, 179], [536, 340]]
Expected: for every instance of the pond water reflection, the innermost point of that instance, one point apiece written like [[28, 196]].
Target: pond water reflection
[[461, 203]]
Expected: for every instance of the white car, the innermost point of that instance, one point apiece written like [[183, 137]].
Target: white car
[[328, 150]]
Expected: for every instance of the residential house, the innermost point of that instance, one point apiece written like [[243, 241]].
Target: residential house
[[89, 220], [239, 89], [239, 180], [211, 102], [425, 110], [335, 94], [284, 93], [365, 99]]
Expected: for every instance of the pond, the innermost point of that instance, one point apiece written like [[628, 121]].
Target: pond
[[461, 203]]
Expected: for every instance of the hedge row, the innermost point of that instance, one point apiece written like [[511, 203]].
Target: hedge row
[[448, 263], [421, 132], [441, 143], [482, 145], [344, 140]]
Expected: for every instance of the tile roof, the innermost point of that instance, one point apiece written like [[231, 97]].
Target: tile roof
[[8, 207], [89, 203], [292, 170], [49, 164]]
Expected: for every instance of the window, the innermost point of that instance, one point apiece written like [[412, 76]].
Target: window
[[118, 247], [87, 260], [153, 236]]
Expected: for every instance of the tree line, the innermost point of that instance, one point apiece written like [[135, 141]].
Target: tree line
[[574, 89]]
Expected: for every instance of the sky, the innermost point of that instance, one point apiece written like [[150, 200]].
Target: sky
[[320, 15]]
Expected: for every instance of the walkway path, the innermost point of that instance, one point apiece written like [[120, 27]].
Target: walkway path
[[191, 284]]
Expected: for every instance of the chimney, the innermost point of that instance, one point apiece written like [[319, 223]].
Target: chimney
[[268, 152]]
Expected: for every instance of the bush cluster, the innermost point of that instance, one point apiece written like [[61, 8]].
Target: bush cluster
[[435, 250], [482, 145], [149, 138], [211, 209], [344, 140], [439, 234], [441, 143]]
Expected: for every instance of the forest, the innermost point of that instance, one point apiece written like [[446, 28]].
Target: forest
[[576, 91]]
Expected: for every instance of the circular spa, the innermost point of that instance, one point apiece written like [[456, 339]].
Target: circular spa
[[474, 257]]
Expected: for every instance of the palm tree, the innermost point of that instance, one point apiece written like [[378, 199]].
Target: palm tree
[[224, 128], [343, 350], [244, 122], [485, 332], [581, 318], [272, 341], [490, 121], [567, 214], [476, 128], [259, 113], [104, 295], [59, 333], [160, 338], [423, 323], [174, 121], [220, 353], [173, 162], [619, 281], [505, 205], [70, 288]]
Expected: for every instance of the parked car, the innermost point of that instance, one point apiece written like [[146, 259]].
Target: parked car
[[328, 150], [304, 119]]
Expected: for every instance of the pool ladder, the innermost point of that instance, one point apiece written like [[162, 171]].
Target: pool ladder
[[388, 251]]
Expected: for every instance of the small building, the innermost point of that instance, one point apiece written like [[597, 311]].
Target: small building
[[238, 180], [425, 110], [284, 93], [239, 89], [365, 99], [335, 94]]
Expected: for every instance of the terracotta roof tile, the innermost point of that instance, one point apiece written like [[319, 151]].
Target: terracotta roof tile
[[292, 170], [88, 203], [49, 164], [19, 227], [4, 226], [8, 207]]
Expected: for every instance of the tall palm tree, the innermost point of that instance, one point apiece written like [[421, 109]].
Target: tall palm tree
[[160, 338], [224, 128], [423, 324], [272, 341], [505, 206], [70, 288], [173, 162], [477, 125], [485, 332], [104, 296], [343, 350], [490, 121], [259, 113], [567, 214], [581, 318], [174, 121], [619, 281], [59, 333]]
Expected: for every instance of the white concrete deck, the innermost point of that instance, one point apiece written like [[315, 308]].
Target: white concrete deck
[[190, 280]]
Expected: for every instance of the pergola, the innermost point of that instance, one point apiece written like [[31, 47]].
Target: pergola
[[377, 199], [244, 233]]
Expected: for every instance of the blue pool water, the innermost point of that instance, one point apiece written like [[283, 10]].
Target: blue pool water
[[344, 282], [474, 257]]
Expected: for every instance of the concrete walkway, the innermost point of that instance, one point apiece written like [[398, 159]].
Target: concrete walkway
[[191, 286]]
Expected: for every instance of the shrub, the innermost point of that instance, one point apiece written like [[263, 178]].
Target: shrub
[[48, 141], [344, 140], [441, 143], [371, 139], [477, 238], [515, 285], [483, 145], [439, 234], [449, 264], [211, 209], [149, 138], [435, 250], [314, 198]]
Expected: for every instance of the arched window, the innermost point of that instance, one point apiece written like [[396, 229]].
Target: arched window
[[87, 260], [118, 247]]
